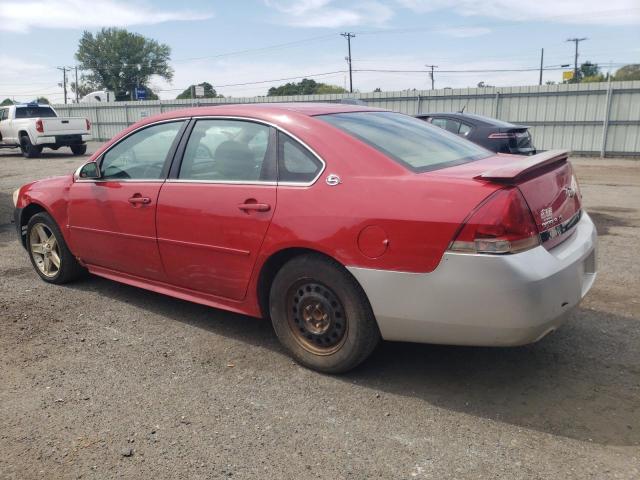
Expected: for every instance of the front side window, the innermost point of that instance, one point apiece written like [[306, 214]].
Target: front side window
[[439, 122], [228, 150], [409, 141], [295, 162], [141, 155]]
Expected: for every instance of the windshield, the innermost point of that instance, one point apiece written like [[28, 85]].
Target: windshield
[[411, 142], [34, 112]]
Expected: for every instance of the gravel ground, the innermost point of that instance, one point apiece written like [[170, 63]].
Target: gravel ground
[[102, 380]]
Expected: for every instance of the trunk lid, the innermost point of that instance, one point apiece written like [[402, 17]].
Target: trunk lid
[[546, 181]]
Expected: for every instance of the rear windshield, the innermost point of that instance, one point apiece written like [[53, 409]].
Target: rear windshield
[[34, 112], [411, 142]]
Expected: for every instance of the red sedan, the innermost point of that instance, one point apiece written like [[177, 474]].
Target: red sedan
[[343, 224]]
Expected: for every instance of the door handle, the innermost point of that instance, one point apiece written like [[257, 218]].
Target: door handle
[[256, 207], [137, 200]]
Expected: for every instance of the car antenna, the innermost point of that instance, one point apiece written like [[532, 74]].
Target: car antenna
[[462, 109]]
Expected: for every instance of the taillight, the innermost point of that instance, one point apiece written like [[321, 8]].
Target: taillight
[[39, 126], [88, 124], [502, 135], [501, 224]]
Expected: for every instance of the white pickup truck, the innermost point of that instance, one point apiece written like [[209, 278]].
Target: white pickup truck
[[32, 127]]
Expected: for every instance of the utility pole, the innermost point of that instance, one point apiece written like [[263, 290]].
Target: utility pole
[[541, 65], [76, 89], [433, 81], [64, 81], [349, 36], [575, 60]]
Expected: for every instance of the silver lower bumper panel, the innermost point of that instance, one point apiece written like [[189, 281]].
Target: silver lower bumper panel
[[483, 299]]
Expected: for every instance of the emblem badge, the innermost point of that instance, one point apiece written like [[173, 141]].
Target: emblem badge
[[333, 180]]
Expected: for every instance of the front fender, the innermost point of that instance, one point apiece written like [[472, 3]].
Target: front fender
[[50, 195]]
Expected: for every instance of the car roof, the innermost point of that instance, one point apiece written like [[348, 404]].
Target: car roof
[[260, 109], [479, 119]]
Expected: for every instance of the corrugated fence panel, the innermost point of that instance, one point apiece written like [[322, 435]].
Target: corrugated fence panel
[[560, 116]]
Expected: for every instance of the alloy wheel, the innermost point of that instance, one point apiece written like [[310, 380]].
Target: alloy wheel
[[45, 250]]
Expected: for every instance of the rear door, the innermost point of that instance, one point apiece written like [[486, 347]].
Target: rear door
[[113, 219], [214, 211]]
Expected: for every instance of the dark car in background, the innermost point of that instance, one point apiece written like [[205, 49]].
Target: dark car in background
[[491, 133]]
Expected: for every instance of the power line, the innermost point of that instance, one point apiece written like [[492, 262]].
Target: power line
[[262, 81]]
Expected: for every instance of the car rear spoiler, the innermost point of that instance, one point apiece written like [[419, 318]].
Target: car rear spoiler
[[517, 169]]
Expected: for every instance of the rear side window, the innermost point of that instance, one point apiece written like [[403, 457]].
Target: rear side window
[[228, 151], [409, 141], [34, 112], [464, 129], [295, 162]]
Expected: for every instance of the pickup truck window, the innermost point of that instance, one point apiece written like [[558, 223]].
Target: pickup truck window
[[34, 112]]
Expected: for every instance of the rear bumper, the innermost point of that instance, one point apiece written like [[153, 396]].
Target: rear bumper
[[485, 300], [62, 140]]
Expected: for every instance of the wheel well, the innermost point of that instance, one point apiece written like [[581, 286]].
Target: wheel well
[[271, 267], [28, 212], [23, 133]]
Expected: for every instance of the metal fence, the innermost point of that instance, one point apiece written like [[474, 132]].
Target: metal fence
[[590, 119]]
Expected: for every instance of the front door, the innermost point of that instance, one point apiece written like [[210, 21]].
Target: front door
[[112, 219], [213, 216]]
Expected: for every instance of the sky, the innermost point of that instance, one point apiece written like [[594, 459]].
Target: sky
[[235, 44]]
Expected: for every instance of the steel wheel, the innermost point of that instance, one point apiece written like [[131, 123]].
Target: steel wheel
[[45, 250], [316, 317]]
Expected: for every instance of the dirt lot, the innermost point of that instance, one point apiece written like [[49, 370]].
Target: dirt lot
[[101, 380]]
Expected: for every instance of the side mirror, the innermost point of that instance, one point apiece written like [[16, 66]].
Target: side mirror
[[89, 170]]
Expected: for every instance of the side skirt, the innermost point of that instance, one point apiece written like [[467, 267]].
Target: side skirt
[[173, 291]]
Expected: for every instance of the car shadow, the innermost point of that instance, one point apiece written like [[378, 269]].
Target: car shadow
[[582, 382], [47, 153]]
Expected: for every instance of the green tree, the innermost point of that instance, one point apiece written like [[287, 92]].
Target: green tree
[[43, 100], [588, 72], [84, 88], [305, 86], [628, 72], [119, 60], [5, 102], [209, 91], [377, 90]]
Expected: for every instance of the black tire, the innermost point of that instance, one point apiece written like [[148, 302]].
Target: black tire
[[79, 149], [29, 150], [312, 288], [69, 268]]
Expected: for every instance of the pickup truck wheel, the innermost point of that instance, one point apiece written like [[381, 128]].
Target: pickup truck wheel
[[79, 149], [48, 251], [29, 150], [321, 315]]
